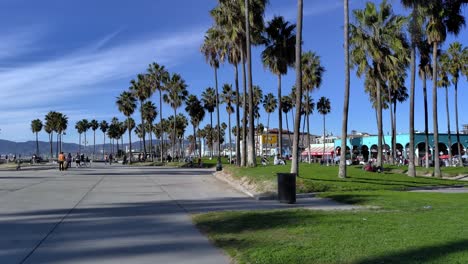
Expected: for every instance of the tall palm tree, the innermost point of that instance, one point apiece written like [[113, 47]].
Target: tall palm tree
[[159, 77], [228, 96], [286, 106], [195, 110], [49, 127], [36, 127], [142, 89], [416, 20], [424, 72], [94, 126], [298, 66], [312, 72], [211, 50], [278, 56], [150, 113], [80, 127], [85, 124], [377, 39], [308, 107], [126, 103], [344, 121], [270, 104], [458, 60], [444, 82], [208, 99], [324, 108], [444, 16], [103, 126], [175, 97]]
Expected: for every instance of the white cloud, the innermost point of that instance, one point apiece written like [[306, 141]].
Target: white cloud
[[29, 92], [19, 41]]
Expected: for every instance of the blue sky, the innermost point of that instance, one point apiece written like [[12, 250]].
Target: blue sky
[[76, 57]]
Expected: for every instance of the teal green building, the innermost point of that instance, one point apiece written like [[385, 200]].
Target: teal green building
[[366, 146]]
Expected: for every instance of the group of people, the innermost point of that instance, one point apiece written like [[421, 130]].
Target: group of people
[[65, 161]]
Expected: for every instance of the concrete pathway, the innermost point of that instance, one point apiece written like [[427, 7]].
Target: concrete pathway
[[116, 214]]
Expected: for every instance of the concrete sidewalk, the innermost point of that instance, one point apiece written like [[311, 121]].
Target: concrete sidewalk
[[116, 214]]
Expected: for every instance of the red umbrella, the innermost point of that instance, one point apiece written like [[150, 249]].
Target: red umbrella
[[444, 157]]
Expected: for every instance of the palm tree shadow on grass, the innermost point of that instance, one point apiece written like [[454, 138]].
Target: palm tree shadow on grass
[[421, 254]]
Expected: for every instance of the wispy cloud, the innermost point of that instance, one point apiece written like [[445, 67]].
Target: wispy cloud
[[80, 72], [19, 41], [30, 91]]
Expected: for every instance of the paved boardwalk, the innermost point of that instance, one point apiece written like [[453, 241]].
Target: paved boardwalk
[[115, 215]]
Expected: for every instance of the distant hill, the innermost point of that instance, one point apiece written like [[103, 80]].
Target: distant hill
[[28, 148]]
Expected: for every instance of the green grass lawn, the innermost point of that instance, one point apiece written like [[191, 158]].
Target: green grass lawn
[[407, 228], [403, 227], [316, 178]]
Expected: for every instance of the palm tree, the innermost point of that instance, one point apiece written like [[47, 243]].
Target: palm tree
[[159, 77], [416, 20], [324, 108], [103, 126], [49, 127], [425, 70], [142, 89], [85, 124], [269, 103], [94, 126], [377, 40], [228, 97], [195, 110], [286, 106], [139, 133], [444, 16], [80, 127], [36, 127], [444, 82], [458, 60], [211, 50], [208, 98], [344, 121], [126, 103], [278, 56], [308, 107], [149, 115], [175, 97], [312, 72], [298, 66], [62, 124]]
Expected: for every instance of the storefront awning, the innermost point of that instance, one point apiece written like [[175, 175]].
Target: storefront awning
[[318, 151]]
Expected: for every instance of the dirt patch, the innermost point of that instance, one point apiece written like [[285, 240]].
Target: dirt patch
[[247, 186]]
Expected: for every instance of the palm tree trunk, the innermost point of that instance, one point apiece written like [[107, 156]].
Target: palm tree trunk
[[306, 117], [426, 121], [174, 133], [244, 107], [160, 122], [448, 126], [79, 143], [267, 136], [460, 161], [379, 126], [129, 142], [236, 81], [57, 145], [211, 135], [51, 136], [280, 116], [394, 130], [323, 152], [218, 165], [103, 145], [37, 145], [230, 142], [308, 139], [151, 145], [435, 153], [143, 130], [295, 161], [344, 121], [287, 127], [251, 154], [411, 165], [392, 156], [94, 144], [84, 150]]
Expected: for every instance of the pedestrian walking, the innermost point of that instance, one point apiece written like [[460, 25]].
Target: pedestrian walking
[[61, 160]]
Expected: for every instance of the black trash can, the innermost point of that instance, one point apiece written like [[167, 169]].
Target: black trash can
[[287, 187]]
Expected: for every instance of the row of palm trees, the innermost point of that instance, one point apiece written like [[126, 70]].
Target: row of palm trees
[[54, 122], [381, 52]]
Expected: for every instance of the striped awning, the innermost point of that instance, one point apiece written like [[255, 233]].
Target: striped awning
[[318, 151]]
